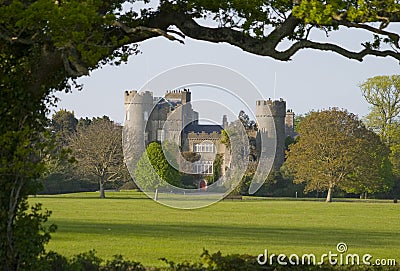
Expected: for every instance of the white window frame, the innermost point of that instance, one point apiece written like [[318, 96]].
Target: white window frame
[[203, 147], [204, 167]]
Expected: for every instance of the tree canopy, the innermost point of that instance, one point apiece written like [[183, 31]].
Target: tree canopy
[[335, 150], [153, 169], [98, 151], [383, 95]]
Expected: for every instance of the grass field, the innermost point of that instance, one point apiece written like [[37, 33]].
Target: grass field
[[128, 223]]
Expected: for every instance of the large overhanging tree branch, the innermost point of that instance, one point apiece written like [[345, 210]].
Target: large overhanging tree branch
[[68, 39], [260, 28]]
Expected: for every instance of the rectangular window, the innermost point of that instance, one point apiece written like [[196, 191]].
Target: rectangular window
[[203, 167], [203, 147]]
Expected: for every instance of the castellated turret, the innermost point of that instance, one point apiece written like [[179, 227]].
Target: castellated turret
[[270, 116], [138, 107]]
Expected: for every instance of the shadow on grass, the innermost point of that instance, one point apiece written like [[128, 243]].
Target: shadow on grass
[[95, 195], [235, 234]]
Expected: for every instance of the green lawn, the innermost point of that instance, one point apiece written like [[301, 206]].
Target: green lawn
[[128, 223]]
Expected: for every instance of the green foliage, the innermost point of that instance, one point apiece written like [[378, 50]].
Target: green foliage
[[217, 262], [383, 94], [145, 176], [207, 262], [154, 167], [336, 150], [217, 169], [259, 19], [297, 121], [63, 125], [87, 261], [327, 13], [289, 141], [30, 235], [225, 139], [22, 230], [161, 165], [78, 28]]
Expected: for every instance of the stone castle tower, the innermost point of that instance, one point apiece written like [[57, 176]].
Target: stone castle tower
[[172, 117], [137, 110], [272, 115], [159, 118]]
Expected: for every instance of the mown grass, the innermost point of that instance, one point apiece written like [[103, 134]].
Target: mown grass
[[128, 223]]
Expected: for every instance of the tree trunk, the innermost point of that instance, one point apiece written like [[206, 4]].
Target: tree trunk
[[329, 196], [102, 194], [156, 195]]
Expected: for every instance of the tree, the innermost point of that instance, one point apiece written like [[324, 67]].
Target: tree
[[249, 125], [63, 125], [59, 162], [98, 151], [23, 233], [297, 120], [153, 168], [383, 94], [335, 150], [23, 146]]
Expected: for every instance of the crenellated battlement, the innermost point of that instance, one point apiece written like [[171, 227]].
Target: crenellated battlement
[[183, 95], [276, 108], [133, 96]]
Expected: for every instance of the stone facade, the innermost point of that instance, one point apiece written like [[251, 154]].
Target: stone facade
[[172, 118]]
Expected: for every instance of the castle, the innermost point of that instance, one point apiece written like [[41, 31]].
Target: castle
[[172, 118]]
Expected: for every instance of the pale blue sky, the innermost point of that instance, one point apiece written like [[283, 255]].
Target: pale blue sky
[[312, 80]]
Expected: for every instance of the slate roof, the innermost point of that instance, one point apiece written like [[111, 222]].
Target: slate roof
[[198, 128]]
